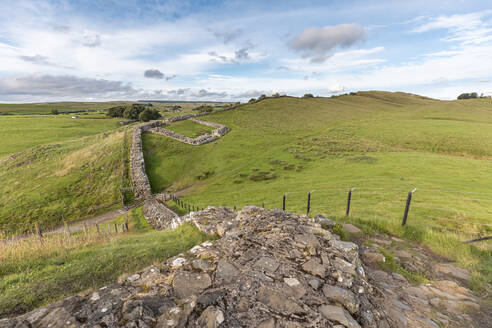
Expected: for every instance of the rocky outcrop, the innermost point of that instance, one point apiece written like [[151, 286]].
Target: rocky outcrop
[[268, 269]]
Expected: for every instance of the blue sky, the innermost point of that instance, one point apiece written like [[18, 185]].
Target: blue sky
[[234, 50]]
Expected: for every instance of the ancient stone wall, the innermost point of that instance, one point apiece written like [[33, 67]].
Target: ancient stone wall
[[220, 130], [141, 185], [158, 215], [203, 139], [268, 269]]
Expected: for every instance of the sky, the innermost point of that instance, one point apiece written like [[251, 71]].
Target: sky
[[99, 50]]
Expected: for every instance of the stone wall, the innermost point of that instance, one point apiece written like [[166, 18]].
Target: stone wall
[[141, 185], [268, 269], [203, 139], [220, 130], [158, 215]]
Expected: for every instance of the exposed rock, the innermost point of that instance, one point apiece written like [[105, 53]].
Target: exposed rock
[[342, 296], [373, 257], [325, 222], [337, 314], [188, 283], [314, 267], [266, 271], [212, 317], [452, 271], [351, 228]]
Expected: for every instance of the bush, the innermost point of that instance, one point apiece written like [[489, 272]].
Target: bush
[[149, 114], [276, 95], [262, 176], [262, 97], [131, 112], [252, 100], [116, 111], [54, 111], [468, 95], [203, 109], [308, 95]]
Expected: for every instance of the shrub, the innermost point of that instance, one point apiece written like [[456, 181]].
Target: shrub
[[262, 97], [276, 95], [203, 109], [252, 100], [149, 114], [468, 95], [308, 95], [262, 175], [54, 111], [116, 111]]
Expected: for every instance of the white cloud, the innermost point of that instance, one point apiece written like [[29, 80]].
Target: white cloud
[[472, 28], [317, 42]]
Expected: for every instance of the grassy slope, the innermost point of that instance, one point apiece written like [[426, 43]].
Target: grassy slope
[[32, 275], [22, 132], [385, 144], [76, 178], [189, 128]]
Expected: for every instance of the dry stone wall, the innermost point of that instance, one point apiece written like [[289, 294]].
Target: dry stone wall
[[203, 139], [219, 131], [140, 181]]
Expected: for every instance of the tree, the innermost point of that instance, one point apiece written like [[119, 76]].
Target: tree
[[149, 114], [308, 95], [262, 97], [276, 95], [54, 111], [116, 111], [468, 95], [252, 100]]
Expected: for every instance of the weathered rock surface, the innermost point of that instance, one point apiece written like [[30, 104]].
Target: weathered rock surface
[[269, 269], [254, 276]]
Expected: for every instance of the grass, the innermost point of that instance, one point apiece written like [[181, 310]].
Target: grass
[[19, 133], [58, 182], [189, 128], [34, 274], [384, 144], [46, 108]]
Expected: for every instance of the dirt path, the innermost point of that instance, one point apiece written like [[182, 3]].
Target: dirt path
[[78, 225]]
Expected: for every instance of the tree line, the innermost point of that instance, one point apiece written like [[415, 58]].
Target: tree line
[[140, 112]]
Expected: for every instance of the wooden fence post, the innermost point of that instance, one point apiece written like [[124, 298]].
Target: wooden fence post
[[67, 230], [407, 207], [97, 227], [85, 229], [308, 207], [38, 231], [283, 203], [347, 211], [115, 228]]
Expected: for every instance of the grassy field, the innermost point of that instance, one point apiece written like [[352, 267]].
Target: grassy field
[[63, 181], [34, 274], [383, 144], [45, 108], [19, 133], [189, 128]]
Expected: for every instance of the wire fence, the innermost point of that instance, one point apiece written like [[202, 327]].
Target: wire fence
[[470, 217]]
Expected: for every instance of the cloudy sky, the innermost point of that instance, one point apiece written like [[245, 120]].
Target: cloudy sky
[[234, 50]]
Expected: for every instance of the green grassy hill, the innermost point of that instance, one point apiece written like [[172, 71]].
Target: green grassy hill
[[63, 181], [384, 144]]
